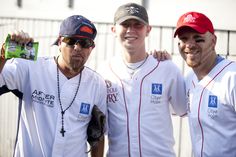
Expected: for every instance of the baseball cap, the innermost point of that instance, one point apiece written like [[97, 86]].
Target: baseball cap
[[195, 20], [131, 11], [77, 26]]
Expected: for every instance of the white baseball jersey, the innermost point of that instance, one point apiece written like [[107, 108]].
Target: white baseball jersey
[[40, 120], [212, 111], [139, 119]]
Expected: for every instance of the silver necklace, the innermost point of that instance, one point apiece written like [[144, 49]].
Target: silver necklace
[[62, 131], [131, 70]]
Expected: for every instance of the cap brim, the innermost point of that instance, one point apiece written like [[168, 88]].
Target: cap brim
[[189, 26], [56, 42], [130, 17]]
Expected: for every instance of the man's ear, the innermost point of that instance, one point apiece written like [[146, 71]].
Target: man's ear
[[215, 39], [149, 28], [113, 29], [59, 41]]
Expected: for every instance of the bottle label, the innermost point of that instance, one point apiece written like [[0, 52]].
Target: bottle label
[[15, 50]]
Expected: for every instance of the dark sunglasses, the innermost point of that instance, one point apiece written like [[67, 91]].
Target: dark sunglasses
[[83, 42]]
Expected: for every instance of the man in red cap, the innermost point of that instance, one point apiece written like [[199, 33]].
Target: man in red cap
[[57, 93], [210, 87]]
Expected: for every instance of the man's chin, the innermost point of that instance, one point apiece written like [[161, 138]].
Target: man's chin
[[77, 67], [193, 64]]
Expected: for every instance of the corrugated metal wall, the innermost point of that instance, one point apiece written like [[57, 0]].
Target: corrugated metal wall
[[46, 31]]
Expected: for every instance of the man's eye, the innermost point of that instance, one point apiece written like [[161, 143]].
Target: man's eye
[[125, 25], [138, 25], [200, 40], [182, 39]]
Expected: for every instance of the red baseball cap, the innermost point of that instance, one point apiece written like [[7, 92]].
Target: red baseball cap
[[195, 20]]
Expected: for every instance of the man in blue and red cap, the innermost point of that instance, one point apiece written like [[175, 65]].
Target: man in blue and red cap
[[57, 93]]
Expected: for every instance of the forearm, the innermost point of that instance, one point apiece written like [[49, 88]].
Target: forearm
[[98, 150]]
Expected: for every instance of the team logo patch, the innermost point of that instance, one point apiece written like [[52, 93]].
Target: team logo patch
[[132, 10], [189, 19], [156, 88], [212, 101], [84, 108]]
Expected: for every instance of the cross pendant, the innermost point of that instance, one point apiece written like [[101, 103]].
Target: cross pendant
[[62, 132]]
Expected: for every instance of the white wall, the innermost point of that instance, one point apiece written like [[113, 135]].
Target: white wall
[[221, 12], [161, 12]]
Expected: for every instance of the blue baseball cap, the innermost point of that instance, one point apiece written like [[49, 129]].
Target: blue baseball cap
[[77, 26]]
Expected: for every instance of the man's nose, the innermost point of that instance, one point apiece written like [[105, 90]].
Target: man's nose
[[77, 47], [190, 44], [130, 27]]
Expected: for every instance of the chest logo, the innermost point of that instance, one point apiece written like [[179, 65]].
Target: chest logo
[[43, 98], [156, 88], [212, 101], [212, 106], [84, 108]]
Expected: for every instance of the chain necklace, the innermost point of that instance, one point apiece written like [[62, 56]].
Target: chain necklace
[[131, 70], [58, 91]]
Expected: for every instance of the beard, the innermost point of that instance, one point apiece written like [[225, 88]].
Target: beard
[[76, 66]]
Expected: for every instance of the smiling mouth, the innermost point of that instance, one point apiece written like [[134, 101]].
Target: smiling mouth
[[191, 52], [76, 57], [130, 38]]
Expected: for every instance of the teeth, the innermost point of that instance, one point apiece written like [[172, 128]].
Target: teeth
[[130, 38], [192, 53]]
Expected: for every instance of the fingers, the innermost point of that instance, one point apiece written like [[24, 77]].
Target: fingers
[[166, 55], [21, 37], [2, 55], [161, 55]]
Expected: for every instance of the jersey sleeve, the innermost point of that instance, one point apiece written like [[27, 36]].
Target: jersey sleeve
[[14, 74], [178, 93], [102, 95], [232, 92], [233, 97]]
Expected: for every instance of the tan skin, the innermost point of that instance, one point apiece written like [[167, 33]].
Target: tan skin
[[70, 62], [72, 59], [198, 51], [131, 34]]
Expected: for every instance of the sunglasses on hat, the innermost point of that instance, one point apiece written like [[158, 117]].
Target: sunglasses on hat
[[83, 42]]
